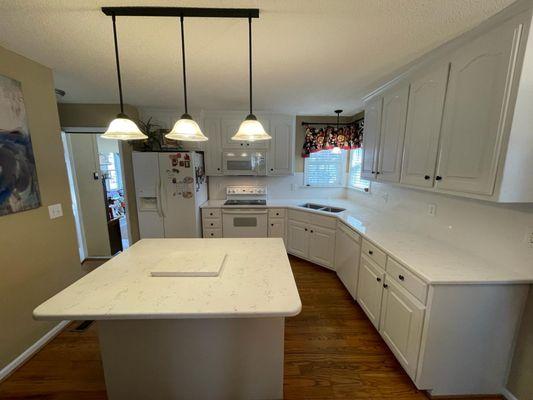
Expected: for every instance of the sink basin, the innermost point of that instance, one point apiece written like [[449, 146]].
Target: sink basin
[[320, 207]]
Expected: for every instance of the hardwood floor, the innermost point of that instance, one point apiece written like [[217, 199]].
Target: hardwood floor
[[332, 351]]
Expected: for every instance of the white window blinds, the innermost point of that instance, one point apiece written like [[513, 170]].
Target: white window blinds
[[325, 168], [354, 176]]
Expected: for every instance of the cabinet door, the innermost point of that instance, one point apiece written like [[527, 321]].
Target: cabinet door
[[281, 154], [230, 126], [371, 138], [402, 317], [298, 238], [322, 246], [475, 109], [424, 117], [370, 289], [276, 228], [347, 255], [213, 150], [392, 134]]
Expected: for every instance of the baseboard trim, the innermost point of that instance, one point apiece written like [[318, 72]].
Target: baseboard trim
[[508, 395], [30, 351]]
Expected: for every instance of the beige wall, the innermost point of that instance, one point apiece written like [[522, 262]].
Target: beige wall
[[300, 134], [34, 264], [521, 377], [99, 116]]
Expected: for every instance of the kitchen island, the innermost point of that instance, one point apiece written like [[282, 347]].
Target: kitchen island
[[189, 336]]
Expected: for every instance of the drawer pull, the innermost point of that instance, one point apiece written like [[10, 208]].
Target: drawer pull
[[211, 224], [271, 224], [211, 214], [438, 178], [426, 177], [306, 229], [370, 252], [401, 277], [311, 231], [378, 279], [385, 285], [211, 233], [277, 213]]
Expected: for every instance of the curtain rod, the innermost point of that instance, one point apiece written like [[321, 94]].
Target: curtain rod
[[332, 123]]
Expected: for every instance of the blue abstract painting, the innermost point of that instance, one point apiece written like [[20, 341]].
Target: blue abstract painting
[[19, 189]]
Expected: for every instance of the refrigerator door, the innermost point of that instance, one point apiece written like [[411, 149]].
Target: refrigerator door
[[178, 194], [148, 194]]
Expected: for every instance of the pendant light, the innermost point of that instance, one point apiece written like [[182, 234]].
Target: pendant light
[[337, 149], [121, 128], [251, 129], [185, 129]]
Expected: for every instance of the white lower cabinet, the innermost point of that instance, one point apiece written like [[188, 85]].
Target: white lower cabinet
[[276, 228], [401, 321], [347, 255], [370, 289], [312, 242]]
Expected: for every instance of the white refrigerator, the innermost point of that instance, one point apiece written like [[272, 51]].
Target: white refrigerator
[[169, 188]]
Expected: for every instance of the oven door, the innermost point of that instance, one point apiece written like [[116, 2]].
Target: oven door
[[244, 163], [244, 223]]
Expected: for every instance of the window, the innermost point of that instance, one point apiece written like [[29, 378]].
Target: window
[[325, 168], [354, 174]]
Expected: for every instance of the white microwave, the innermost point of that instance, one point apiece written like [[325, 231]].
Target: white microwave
[[244, 162]]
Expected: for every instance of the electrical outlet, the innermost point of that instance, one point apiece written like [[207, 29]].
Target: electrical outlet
[[55, 211], [529, 237], [432, 210]]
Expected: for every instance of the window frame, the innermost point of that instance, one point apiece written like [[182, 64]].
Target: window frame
[[349, 174], [343, 174]]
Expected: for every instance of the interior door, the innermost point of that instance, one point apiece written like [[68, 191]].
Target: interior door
[[371, 138], [392, 134], [401, 325], [370, 289], [347, 255], [298, 238], [476, 104], [322, 246], [424, 117]]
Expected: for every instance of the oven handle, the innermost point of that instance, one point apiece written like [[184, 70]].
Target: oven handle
[[244, 211]]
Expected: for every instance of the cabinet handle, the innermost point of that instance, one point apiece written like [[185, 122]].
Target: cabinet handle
[[378, 279], [242, 144], [377, 172], [277, 213], [373, 172], [272, 169], [306, 229], [401, 277], [271, 224], [370, 252], [247, 144], [211, 224], [311, 231], [438, 178], [426, 177], [385, 285], [218, 169]]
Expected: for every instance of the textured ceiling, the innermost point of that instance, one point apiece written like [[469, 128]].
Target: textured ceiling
[[310, 56]]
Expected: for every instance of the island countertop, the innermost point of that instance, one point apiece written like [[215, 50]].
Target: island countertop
[[256, 281]]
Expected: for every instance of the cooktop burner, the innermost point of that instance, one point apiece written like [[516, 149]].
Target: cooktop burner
[[245, 203]]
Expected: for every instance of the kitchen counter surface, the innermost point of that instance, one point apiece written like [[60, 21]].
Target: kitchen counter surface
[[434, 261], [255, 281]]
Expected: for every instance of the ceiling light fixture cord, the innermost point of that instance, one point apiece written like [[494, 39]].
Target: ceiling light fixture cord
[[118, 64], [250, 54], [183, 59]]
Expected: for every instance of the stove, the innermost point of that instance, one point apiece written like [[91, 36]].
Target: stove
[[244, 213], [245, 203]]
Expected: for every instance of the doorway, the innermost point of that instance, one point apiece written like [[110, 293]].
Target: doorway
[[96, 180]]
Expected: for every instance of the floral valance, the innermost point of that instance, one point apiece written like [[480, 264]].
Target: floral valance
[[326, 138]]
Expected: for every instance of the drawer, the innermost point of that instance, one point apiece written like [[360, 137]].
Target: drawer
[[212, 233], [321, 220], [377, 255], [276, 213], [212, 223], [405, 278], [211, 213], [301, 216]]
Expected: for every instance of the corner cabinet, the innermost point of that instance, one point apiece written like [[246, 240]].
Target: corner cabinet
[[371, 138]]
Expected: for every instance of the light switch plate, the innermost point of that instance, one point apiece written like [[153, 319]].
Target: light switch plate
[[55, 211], [432, 210]]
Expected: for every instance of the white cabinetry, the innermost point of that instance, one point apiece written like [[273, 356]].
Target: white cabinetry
[[370, 289], [213, 155], [424, 116], [347, 255], [281, 151], [276, 223], [230, 126], [371, 138], [321, 245], [392, 134], [298, 239]]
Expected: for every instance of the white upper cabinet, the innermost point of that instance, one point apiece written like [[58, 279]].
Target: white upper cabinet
[[424, 116], [213, 155], [475, 109], [281, 152], [371, 138]]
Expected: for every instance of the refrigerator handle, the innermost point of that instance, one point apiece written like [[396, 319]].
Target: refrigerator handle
[[159, 201]]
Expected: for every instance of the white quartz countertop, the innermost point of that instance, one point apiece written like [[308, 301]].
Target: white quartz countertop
[[434, 261], [255, 281]]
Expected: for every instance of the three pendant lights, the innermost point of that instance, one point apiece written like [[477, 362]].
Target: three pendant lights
[[185, 129]]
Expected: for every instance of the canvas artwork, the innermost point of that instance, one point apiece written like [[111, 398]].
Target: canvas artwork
[[19, 189]]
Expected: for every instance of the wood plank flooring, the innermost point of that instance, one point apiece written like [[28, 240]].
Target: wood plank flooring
[[332, 351]]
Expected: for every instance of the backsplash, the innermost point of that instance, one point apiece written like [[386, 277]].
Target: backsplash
[[496, 232], [279, 187]]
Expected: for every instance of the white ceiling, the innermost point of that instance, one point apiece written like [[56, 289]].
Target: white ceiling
[[310, 56]]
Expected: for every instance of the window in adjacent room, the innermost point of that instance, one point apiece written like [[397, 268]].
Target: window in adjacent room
[[354, 173], [325, 168]]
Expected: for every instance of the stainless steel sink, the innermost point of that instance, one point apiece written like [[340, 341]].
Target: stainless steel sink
[[320, 207]]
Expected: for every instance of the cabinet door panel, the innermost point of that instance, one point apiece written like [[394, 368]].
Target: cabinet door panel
[[213, 149], [276, 228], [401, 325], [280, 155], [475, 108], [298, 239], [347, 255], [370, 289], [229, 128], [322, 245], [371, 138], [393, 119], [424, 117]]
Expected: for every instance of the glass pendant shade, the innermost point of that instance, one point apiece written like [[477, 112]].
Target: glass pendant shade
[[123, 128], [186, 129], [251, 130]]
